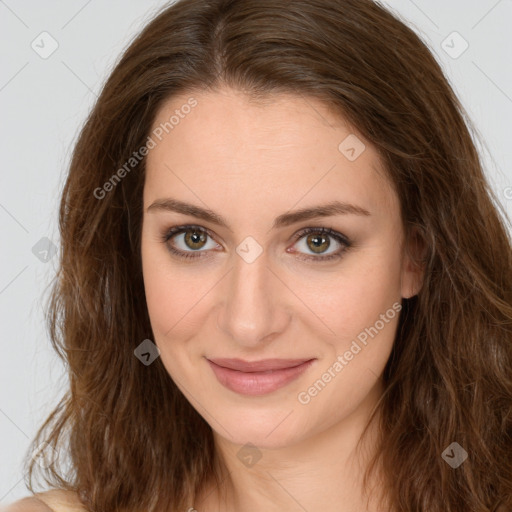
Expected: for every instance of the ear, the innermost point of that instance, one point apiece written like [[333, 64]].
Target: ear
[[413, 264]]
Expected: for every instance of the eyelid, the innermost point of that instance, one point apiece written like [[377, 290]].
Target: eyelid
[[340, 238], [324, 230], [177, 230]]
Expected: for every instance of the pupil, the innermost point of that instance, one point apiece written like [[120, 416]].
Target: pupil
[[318, 241], [194, 237]]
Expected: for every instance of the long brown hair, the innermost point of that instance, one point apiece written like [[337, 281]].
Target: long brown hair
[[132, 440]]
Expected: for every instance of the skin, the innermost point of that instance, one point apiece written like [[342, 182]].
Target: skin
[[250, 163]]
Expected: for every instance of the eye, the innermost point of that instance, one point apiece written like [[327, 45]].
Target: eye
[[317, 240], [192, 239]]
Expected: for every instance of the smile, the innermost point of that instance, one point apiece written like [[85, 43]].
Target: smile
[[259, 377]]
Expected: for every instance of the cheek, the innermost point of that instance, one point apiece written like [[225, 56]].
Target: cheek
[[173, 297], [362, 309], [155, 287], [165, 307], [354, 297], [165, 295]]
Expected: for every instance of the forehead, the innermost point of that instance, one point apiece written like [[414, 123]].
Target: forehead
[[229, 148]]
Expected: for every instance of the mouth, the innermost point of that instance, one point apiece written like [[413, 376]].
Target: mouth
[[257, 377]]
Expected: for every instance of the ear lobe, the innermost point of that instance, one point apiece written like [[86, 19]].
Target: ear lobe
[[413, 265]]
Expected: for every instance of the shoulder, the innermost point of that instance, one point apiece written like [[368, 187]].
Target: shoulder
[[26, 505], [55, 500]]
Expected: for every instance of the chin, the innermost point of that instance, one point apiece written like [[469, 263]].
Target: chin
[[267, 426]]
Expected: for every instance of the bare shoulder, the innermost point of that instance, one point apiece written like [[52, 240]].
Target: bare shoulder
[[26, 505], [55, 500]]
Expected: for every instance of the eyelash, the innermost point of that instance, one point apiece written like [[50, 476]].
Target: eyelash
[[343, 240]]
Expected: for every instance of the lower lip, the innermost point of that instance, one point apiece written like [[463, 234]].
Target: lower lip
[[257, 383]]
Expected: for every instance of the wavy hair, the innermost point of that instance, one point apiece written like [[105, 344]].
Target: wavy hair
[[133, 441]]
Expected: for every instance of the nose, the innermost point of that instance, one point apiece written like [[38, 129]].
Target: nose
[[253, 309]]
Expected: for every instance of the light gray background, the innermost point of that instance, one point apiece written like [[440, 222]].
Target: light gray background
[[44, 102]]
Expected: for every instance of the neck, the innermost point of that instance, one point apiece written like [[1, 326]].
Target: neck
[[323, 472]]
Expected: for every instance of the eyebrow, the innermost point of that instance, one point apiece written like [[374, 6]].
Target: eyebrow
[[286, 219]]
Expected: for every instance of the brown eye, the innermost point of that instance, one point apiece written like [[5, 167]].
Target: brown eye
[[318, 243], [195, 239], [188, 241], [192, 242]]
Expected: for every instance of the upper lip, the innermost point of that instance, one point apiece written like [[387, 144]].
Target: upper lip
[[258, 366]]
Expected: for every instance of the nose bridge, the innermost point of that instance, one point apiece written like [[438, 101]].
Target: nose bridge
[[250, 310]]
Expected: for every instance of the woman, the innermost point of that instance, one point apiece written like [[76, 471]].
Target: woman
[[284, 281]]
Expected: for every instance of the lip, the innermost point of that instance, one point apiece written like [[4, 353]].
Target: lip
[[258, 377]]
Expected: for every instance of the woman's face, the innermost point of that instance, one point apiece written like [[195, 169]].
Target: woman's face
[[243, 182]]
